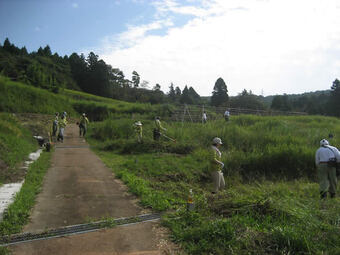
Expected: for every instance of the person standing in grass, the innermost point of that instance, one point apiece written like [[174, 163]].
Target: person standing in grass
[[83, 124], [326, 159], [157, 131], [216, 165], [138, 126], [204, 118], [227, 115], [62, 125]]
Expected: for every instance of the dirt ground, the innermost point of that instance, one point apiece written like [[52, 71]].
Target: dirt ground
[[77, 188]]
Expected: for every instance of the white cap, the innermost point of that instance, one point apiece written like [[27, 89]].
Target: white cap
[[84, 114], [138, 123], [217, 140], [324, 142]]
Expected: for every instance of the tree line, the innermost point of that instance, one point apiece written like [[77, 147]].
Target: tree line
[[90, 74]]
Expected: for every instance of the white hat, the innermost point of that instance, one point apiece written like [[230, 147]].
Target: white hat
[[138, 123], [84, 114], [217, 140], [324, 142]]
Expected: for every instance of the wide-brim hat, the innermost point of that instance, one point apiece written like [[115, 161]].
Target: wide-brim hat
[[138, 123]]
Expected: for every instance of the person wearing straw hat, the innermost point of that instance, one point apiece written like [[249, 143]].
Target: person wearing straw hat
[[139, 130], [216, 165]]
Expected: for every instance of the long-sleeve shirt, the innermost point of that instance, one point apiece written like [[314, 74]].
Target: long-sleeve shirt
[[325, 153], [159, 125], [84, 121], [62, 123], [215, 159]]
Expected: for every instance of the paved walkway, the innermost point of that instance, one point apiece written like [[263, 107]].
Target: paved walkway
[[79, 187]]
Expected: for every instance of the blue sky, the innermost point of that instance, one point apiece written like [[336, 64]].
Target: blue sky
[[267, 46]]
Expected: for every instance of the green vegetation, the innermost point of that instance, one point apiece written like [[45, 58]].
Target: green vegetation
[[17, 213], [271, 203], [16, 143], [92, 75], [18, 97]]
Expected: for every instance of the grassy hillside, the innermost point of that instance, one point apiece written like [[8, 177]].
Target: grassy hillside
[[18, 97], [271, 203], [16, 143]]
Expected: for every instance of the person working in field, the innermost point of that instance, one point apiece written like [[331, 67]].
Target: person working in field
[[216, 165], [204, 118], [326, 159], [139, 130], [62, 125], [83, 125], [226, 115], [157, 131]]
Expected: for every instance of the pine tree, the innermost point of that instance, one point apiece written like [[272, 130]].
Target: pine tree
[[172, 93], [220, 93]]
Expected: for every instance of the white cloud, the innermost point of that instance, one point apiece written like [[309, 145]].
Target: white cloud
[[75, 5], [37, 29], [281, 46]]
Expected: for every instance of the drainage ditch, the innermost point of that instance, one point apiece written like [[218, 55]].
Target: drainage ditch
[[76, 229]]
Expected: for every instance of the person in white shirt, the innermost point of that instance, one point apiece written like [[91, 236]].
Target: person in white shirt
[[226, 115], [204, 117], [326, 158]]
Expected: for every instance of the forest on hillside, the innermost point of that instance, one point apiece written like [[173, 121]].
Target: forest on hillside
[[91, 74]]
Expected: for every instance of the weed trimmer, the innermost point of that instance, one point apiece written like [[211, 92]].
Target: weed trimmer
[[171, 139]]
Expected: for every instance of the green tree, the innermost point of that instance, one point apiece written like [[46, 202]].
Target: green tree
[[194, 96], [172, 93], [220, 93], [334, 100], [281, 103], [185, 98], [247, 100], [135, 79]]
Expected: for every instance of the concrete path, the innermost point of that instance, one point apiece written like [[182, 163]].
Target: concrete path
[[79, 187]]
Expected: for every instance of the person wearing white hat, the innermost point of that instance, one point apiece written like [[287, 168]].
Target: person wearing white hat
[[216, 165], [139, 131], [326, 159]]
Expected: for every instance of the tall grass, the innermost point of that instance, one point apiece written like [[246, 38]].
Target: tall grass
[[271, 203], [253, 146], [17, 97], [16, 143]]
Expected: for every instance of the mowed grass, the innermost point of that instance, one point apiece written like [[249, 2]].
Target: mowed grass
[[271, 203]]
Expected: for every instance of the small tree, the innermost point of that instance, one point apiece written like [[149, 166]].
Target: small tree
[[172, 93], [220, 93], [135, 79], [334, 99]]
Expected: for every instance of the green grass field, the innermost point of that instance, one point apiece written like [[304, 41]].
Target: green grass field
[[271, 203], [16, 142], [21, 98]]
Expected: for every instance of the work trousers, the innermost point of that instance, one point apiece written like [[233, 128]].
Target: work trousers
[[61, 134], [327, 178], [218, 180], [82, 129]]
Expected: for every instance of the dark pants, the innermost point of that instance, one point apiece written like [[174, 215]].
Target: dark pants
[[82, 129], [156, 134], [54, 129]]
